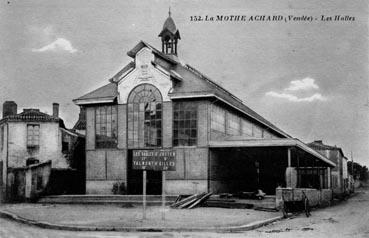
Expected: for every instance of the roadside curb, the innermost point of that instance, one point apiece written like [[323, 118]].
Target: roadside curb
[[47, 225]]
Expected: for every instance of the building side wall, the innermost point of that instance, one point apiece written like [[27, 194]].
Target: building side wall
[[122, 126], [90, 128], [337, 173], [104, 168], [235, 125], [3, 159], [167, 124], [50, 145], [191, 173]]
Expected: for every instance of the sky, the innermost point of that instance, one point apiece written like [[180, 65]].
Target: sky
[[308, 78]]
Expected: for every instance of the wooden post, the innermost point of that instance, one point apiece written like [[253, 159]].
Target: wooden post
[[289, 156], [144, 194], [163, 195]]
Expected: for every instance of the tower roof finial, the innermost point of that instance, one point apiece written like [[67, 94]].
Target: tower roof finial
[[169, 12]]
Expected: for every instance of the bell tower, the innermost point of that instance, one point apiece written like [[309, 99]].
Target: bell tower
[[169, 36]]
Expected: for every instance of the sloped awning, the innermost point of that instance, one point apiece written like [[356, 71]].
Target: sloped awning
[[290, 142], [104, 94]]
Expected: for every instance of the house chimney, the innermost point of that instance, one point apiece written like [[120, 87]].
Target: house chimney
[[9, 108], [55, 109]]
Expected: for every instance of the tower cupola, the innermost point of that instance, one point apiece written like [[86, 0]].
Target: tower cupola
[[169, 36]]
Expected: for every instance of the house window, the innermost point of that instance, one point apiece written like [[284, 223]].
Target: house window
[[106, 126], [33, 136], [145, 117], [184, 123], [218, 119]]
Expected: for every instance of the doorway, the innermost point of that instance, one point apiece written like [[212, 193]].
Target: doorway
[[135, 182]]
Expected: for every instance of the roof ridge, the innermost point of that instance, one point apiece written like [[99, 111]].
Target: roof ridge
[[212, 82], [32, 115], [126, 68]]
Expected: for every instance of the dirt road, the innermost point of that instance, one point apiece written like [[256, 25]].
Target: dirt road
[[347, 219]]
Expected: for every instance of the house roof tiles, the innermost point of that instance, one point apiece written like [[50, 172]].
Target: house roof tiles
[[31, 115]]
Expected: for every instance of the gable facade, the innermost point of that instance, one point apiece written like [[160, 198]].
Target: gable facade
[[135, 119]]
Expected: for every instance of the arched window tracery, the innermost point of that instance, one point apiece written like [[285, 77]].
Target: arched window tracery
[[145, 117]]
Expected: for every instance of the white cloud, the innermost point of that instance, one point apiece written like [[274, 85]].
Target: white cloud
[[60, 44], [293, 98], [303, 84]]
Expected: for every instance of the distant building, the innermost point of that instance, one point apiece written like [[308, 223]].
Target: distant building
[[340, 177], [80, 126], [157, 101], [32, 137]]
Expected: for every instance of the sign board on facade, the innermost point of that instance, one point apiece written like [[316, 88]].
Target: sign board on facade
[[159, 160]]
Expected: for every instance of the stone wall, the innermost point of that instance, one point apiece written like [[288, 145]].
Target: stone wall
[[316, 197], [28, 183]]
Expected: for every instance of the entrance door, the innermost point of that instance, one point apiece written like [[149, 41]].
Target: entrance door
[[134, 185]]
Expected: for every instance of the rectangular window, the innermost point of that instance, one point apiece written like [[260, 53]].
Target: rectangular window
[[184, 123], [33, 135], [106, 134], [218, 119], [145, 124], [233, 125]]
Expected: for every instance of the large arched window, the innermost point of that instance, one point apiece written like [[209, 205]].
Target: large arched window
[[145, 117]]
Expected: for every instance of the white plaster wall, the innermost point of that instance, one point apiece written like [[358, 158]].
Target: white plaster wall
[[344, 169], [3, 159], [50, 145], [144, 72]]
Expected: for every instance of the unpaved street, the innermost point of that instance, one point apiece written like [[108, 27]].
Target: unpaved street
[[348, 219]]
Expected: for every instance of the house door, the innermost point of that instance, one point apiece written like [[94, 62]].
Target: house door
[[135, 182]]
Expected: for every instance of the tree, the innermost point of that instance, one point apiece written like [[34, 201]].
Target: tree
[[358, 171]]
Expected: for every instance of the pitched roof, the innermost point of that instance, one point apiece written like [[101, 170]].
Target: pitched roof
[[132, 53], [80, 125], [192, 84], [318, 145], [126, 69], [31, 115], [170, 26], [106, 93], [196, 83], [285, 142]]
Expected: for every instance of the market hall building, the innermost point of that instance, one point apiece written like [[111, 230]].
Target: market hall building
[[221, 145]]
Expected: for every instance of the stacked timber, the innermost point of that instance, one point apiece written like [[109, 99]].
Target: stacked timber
[[191, 201]]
